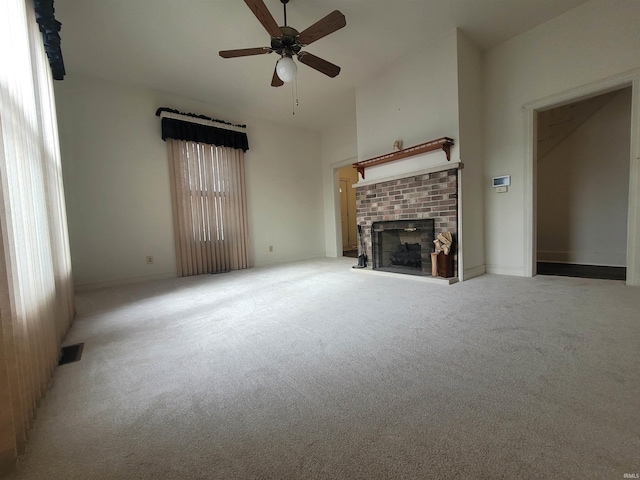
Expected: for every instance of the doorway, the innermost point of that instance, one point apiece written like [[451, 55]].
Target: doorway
[[348, 176], [581, 162]]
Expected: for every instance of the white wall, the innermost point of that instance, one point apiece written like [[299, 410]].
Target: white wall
[[590, 43], [117, 183], [583, 190], [284, 193], [471, 211], [415, 101]]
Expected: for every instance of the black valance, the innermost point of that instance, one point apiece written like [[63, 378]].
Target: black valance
[[195, 132], [162, 110], [50, 29]]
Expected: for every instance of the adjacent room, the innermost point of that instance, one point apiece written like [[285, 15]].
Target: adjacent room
[[583, 184], [319, 239]]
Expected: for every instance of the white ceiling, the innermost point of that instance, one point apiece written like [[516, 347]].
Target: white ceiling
[[172, 45]]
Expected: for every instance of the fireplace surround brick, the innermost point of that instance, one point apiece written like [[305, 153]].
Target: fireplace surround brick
[[431, 195]]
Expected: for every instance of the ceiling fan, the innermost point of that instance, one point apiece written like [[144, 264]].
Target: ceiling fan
[[287, 41]]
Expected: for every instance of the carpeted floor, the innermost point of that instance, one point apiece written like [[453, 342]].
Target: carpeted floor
[[315, 370]]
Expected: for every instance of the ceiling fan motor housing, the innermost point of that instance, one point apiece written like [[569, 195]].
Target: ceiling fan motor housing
[[287, 44]]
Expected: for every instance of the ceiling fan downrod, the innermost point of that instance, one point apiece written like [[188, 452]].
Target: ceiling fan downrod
[[284, 4]]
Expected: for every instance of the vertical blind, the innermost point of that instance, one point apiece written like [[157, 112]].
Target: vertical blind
[[209, 208], [36, 290]]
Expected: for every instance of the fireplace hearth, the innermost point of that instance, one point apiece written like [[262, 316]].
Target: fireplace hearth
[[403, 246]]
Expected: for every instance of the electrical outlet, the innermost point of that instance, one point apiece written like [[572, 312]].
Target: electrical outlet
[[270, 248], [149, 259]]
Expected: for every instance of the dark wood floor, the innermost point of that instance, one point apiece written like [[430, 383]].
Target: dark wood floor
[[582, 271]]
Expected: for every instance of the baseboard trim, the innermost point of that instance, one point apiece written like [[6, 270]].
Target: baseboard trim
[[285, 260], [605, 272], [83, 287], [505, 270], [596, 264], [473, 272]]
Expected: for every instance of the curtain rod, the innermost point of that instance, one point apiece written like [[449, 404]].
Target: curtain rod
[[193, 115]]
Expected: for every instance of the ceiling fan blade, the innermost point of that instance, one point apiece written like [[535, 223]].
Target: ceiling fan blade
[[329, 24], [244, 52], [263, 15], [319, 64], [275, 81]]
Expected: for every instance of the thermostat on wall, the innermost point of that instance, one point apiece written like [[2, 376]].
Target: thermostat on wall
[[502, 181]]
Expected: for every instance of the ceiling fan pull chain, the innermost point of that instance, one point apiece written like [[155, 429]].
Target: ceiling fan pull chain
[[294, 96]]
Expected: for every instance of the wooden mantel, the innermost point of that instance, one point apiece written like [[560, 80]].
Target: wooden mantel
[[443, 143]]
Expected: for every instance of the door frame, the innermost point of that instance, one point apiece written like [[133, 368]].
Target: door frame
[[342, 180], [335, 202], [530, 110]]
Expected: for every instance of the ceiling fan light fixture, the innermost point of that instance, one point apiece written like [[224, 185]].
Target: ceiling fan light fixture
[[286, 69]]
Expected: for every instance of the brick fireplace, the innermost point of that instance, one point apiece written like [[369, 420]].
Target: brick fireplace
[[431, 195]]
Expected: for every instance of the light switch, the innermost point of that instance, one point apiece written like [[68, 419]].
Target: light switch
[[502, 189]]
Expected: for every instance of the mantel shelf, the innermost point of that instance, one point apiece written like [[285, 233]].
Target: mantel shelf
[[443, 143]]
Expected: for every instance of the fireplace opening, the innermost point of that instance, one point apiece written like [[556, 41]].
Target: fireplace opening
[[403, 246]]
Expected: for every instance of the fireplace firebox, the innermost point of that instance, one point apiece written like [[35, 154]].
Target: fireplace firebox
[[403, 246]]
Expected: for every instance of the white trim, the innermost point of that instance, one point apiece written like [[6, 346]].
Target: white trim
[[582, 92], [633, 222], [202, 121], [335, 198], [616, 82], [529, 189], [505, 270], [83, 287], [473, 272], [461, 270], [287, 259], [398, 176]]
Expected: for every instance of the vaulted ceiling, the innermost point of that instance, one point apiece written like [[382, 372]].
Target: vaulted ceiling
[[172, 45]]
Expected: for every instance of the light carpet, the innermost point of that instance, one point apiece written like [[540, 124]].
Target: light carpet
[[313, 370]]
